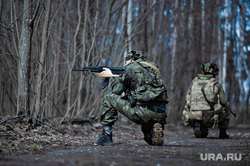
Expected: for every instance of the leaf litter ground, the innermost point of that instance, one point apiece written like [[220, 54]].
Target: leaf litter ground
[[23, 143]]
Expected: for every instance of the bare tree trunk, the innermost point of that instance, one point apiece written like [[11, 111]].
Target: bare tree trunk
[[241, 55], [129, 24], [24, 60], [241, 59], [224, 74], [88, 88], [57, 66], [123, 29], [156, 54], [107, 19], [41, 65], [153, 40], [15, 36], [174, 38], [203, 30], [214, 56], [247, 108], [219, 52], [190, 27], [1, 94], [84, 51], [242, 37], [71, 65], [127, 28]]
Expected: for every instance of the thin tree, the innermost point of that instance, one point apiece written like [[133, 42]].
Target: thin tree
[[24, 54], [219, 52], [84, 51], [224, 74], [41, 65], [174, 39], [70, 105], [203, 30], [129, 25]]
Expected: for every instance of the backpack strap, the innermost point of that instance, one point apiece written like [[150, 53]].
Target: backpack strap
[[152, 66]]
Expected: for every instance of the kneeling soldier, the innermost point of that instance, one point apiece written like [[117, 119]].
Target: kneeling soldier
[[206, 104], [144, 101]]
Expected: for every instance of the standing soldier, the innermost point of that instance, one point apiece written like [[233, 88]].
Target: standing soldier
[[144, 101], [206, 104]]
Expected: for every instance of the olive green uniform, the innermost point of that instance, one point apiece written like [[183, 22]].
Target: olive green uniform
[[140, 83]]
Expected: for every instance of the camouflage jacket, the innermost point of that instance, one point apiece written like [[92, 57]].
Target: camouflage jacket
[[213, 91], [140, 82]]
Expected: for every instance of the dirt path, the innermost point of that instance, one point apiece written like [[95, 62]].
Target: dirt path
[[180, 148]]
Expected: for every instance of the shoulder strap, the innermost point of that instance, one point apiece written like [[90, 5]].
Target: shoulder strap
[[152, 66]]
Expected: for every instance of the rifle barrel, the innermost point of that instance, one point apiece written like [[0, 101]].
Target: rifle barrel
[[80, 69]]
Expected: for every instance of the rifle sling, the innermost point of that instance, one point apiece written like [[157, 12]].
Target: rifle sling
[[152, 66], [210, 103]]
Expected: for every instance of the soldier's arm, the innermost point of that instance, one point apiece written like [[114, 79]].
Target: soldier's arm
[[116, 87], [188, 96], [121, 83], [185, 112], [222, 96]]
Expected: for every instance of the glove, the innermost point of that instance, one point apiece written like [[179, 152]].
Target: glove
[[132, 102]]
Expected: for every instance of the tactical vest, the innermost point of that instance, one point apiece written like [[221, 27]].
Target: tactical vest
[[147, 85], [198, 100]]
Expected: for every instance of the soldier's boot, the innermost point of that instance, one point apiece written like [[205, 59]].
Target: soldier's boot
[[105, 138], [204, 132], [148, 137], [197, 129], [158, 135], [223, 126], [223, 134]]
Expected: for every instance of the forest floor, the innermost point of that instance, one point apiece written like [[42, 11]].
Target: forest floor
[[22, 143]]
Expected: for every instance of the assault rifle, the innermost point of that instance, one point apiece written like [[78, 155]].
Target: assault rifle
[[96, 71]]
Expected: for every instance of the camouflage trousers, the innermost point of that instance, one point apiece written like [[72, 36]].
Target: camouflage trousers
[[138, 114], [209, 118]]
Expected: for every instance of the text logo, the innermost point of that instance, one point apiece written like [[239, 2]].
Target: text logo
[[220, 157]]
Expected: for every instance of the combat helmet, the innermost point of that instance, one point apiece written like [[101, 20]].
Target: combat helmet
[[133, 54], [210, 68]]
